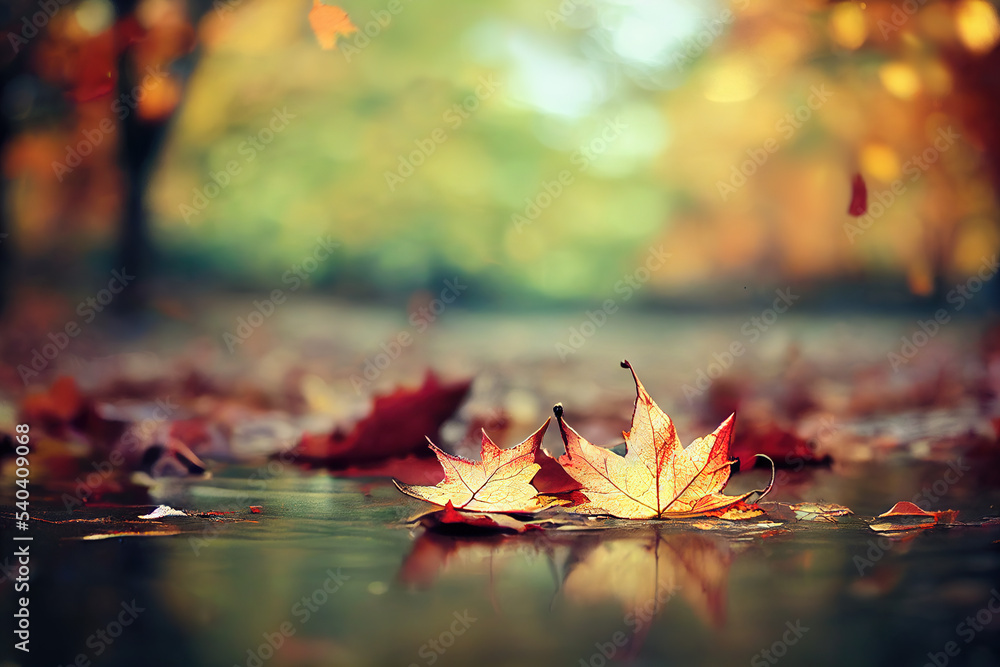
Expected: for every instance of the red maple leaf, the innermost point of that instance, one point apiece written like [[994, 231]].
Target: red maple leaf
[[397, 425]]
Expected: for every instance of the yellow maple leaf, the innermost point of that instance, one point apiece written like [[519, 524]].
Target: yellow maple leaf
[[657, 478]]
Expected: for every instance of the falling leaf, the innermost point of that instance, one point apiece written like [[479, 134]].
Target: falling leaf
[[905, 515], [859, 196], [328, 23], [501, 482], [657, 478], [397, 426]]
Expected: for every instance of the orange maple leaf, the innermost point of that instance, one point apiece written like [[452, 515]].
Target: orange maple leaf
[[328, 23], [501, 482], [657, 478]]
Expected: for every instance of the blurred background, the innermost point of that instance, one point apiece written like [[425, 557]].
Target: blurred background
[[423, 145]]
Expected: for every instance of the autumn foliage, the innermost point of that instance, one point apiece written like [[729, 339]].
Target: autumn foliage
[[657, 478]]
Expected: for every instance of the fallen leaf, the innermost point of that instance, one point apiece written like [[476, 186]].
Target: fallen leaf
[[397, 425], [781, 445], [905, 515], [410, 469], [804, 511], [741, 511], [62, 402], [328, 23], [171, 459], [501, 482], [819, 511], [657, 478], [63, 410], [452, 522]]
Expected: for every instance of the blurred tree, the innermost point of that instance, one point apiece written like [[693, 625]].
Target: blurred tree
[[105, 77]]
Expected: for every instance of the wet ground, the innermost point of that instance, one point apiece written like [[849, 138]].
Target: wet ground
[[328, 573]]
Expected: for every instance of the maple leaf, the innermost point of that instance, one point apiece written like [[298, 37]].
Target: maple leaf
[[329, 22], [657, 478], [396, 427], [501, 482]]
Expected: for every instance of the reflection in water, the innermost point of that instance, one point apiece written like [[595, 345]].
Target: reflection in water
[[638, 569], [643, 569]]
